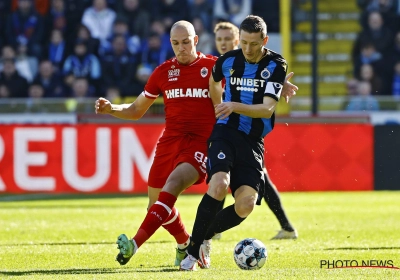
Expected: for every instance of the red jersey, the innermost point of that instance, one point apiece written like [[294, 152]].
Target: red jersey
[[187, 103]]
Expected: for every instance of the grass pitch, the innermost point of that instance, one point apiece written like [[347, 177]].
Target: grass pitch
[[73, 237]]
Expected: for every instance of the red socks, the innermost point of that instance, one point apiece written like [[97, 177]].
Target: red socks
[[156, 216], [176, 228]]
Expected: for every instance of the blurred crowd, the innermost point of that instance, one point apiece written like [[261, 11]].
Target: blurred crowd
[[376, 55], [90, 48]]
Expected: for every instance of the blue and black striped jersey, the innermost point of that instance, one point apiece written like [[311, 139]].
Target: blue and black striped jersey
[[249, 83]]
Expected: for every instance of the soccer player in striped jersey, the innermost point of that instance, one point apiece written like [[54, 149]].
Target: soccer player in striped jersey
[[227, 39], [254, 77]]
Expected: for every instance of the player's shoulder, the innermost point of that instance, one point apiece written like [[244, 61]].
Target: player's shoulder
[[207, 59], [232, 53], [276, 57], [167, 64]]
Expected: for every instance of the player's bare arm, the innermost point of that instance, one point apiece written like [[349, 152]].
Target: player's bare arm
[[289, 89], [133, 111], [216, 91], [265, 110]]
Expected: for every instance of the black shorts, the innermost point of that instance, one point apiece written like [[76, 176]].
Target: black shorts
[[230, 150]]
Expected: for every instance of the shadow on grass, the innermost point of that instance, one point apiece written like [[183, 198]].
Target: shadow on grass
[[63, 196], [87, 271], [71, 243], [363, 248]]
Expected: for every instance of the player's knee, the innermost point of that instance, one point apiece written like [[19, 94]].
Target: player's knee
[[218, 186], [245, 206]]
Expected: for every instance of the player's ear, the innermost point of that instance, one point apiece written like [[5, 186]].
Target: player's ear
[[196, 39], [265, 41]]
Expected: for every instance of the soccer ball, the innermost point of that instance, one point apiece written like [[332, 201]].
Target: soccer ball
[[250, 254]]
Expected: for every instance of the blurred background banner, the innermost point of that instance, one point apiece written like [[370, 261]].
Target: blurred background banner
[[104, 158]]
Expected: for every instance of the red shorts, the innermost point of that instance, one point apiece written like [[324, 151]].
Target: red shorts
[[173, 150]]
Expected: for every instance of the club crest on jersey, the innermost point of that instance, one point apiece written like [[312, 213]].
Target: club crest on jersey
[[221, 155], [173, 73], [265, 74], [204, 72], [231, 71]]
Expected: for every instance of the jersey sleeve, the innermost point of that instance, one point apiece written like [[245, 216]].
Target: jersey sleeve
[[217, 73], [151, 89], [275, 82]]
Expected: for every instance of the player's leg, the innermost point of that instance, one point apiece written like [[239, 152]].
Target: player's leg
[[206, 212], [233, 215], [272, 198], [218, 235], [182, 177]]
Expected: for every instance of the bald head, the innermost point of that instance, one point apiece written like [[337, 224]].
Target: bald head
[[184, 40], [185, 25]]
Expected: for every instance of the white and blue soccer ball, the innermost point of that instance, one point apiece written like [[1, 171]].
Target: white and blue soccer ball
[[250, 254]]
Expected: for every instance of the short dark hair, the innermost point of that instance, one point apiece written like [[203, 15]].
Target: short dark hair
[[254, 24]]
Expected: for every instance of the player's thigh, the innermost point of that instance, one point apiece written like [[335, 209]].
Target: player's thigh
[[163, 164], [183, 176], [220, 157]]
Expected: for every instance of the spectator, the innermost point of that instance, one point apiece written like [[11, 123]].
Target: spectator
[[99, 19], [4, 91], [118, 67], [206, 39], [33, 102], [81, 88], [352, 85], [231, 10], [26, 66], [17, 85], [49, 80], [80, 91], [369, 55], [120, 28], [83, 34], [138, 19], [169, 11], [25, 27], [81, 64], [143, 73], [56, 51], [364, 101], [202, 9], [159, 27], [58, 18], [367, 74], [28, 63], [387, 8], [114, 95], [380, 35], [41, 6], [153, 53]]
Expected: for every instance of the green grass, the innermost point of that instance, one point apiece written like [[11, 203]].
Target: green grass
[[72, 237]]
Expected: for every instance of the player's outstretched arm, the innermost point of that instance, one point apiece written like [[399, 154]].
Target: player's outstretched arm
[[133, 111], [289, 89]]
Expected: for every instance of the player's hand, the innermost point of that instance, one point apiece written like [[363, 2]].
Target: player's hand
[[289, 89], [223, 110], [102, 106]]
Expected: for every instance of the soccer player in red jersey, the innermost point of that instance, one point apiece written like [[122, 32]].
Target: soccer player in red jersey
[[181, 151]]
